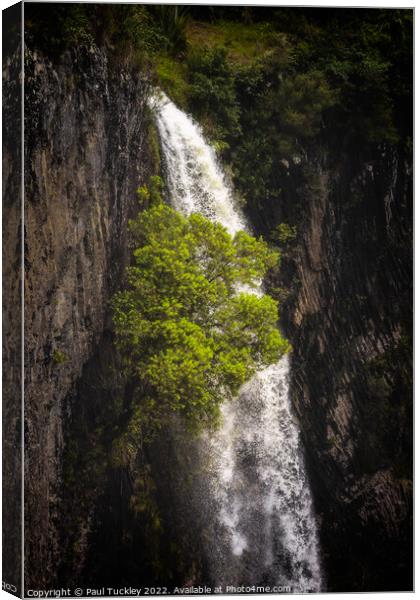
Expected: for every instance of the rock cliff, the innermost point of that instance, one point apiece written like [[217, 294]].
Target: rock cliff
[[348, 315], [86, 154]]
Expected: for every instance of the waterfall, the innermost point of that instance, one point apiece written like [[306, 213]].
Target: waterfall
[[264, 530]]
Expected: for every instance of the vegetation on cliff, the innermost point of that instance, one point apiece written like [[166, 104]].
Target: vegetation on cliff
[[293, 75], [185, 331]]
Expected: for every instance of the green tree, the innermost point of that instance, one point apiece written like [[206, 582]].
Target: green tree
[[212, 92], [186, 332]]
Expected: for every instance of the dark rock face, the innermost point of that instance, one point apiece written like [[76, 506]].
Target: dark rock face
[[86, 154], [349, 318]]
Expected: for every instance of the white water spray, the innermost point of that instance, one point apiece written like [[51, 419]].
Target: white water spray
[[265, 531]]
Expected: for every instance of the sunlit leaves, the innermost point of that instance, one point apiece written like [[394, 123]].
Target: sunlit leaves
[[186, 331]]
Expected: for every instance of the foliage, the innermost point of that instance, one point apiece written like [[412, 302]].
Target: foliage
[[301, 100], [172, 21], [137, 31], [131, 31], [284, 233], [172, 77], [185, 330], [288, 109], [290, 73], [266, 89], [58, 27], [150, 194], [212, 91], [363, 53]]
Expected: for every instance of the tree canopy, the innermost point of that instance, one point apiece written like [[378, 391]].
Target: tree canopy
[[192, 324]]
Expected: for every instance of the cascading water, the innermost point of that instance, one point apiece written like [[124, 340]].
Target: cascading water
[[264, 531]]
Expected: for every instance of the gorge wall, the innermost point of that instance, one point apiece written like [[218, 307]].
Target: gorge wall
[[348, 316], [86, 154]]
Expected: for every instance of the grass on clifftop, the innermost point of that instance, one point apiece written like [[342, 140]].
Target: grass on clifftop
[[244, 42]]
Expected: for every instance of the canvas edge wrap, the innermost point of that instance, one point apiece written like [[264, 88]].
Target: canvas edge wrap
[[12, 247]]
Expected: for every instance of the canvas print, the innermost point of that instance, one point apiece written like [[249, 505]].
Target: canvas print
[[207, 299]]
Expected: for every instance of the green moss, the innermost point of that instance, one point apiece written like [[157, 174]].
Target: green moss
[[154, 147], [284, 233], [59, 357], [331, 441]]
